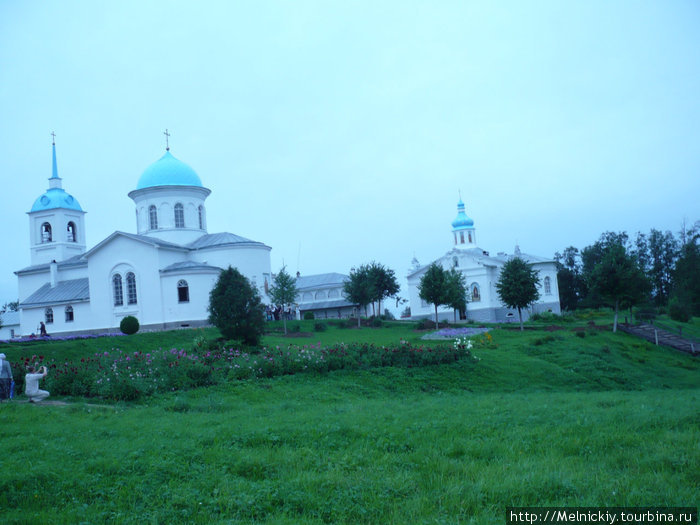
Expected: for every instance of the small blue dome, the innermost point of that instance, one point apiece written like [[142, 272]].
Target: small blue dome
[[462, 221], [56, 198], [168, 171]]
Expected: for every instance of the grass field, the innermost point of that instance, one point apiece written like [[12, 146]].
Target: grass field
[[543, 418]]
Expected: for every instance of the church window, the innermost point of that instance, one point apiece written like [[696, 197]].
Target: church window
[[69, 314], [455, 238], [470, 237], [118, 292], [455, 262], [46, 232], [152, 217], [476, 294], [547, 285], [461, 237], [48, 315], [200, 211], [332, 294], [183, 291], [130, 288], [71, 234], [179, 216]]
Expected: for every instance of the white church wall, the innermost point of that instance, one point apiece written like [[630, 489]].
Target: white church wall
[[253, 261], [123, 255], [199, 286], [31, 317]]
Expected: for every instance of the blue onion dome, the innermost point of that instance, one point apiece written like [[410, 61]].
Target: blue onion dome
[[168, 171], [462, 221], [56, 198]]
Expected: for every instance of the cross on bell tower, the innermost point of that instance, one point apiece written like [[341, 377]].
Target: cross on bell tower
[[167, 136]]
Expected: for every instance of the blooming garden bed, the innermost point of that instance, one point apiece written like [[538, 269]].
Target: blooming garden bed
[[120, 375]]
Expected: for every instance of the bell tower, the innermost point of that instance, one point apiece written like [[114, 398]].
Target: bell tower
[[463, 231], [56, 222]]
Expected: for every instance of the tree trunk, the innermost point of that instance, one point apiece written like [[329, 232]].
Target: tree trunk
[[617, 306], [437, 325], [284, 322], [520, 315], [358, 318]]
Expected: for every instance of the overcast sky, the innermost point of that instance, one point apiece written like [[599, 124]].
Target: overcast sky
[[341, 132]]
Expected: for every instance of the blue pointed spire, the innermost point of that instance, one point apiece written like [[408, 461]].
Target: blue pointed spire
[[54, 172]]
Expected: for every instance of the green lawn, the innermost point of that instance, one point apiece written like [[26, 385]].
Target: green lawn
[[543, 418]]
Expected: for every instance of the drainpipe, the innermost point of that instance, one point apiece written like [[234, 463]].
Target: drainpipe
[[53, 268]]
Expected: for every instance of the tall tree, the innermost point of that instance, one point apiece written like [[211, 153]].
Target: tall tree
[[358, 289], [283, 292], [569, 279], [618, 280], [663, 251], [591, 256], [517, 285], [383, 282], [685, 294], [235, 307], [433, 287], [456, 291]]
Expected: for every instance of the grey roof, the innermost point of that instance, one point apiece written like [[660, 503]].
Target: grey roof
[[188, 265], [64, 292], [9, 319], [219, 239], [320, 280], [72, 262], [485, 258], [321, 305]]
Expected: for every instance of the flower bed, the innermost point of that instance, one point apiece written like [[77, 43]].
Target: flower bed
[[126, 376]]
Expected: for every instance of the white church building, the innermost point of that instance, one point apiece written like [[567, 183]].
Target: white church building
[[481, 271], [162, 274]]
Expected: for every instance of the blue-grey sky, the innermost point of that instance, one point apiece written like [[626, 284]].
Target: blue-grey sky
[[341, 132]]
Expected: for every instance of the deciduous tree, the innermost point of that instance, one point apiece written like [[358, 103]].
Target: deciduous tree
[[358, 288], [283, 292], [433, 287], [517, 285]]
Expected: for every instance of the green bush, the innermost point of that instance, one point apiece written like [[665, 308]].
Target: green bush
[[235, 308], [428, 324], [294, 328], [129, 325], [679, 310], [375, 322], [320, 327], [581, 334], [309, 316]]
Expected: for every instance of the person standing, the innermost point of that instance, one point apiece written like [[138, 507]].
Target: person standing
[[5, 377], [31, 384]]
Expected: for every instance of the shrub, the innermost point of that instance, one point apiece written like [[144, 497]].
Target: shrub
[[235, 308], [581, 334], [428, 324], [309, 316], [129, 325], [295, 328], [679, 310], [375, 322], [320, 327]]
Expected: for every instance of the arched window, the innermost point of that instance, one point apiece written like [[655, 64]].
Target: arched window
[[200, 212], [320, 295], [332, 294], [547, 285], [470, 237], [461, 237], [476, 294], [152, 217], [46, 232], [117, 290], [71, 233], [455, 262], [183, 291], [69, 314], [48, 316], [179, 216], [130, 288]]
